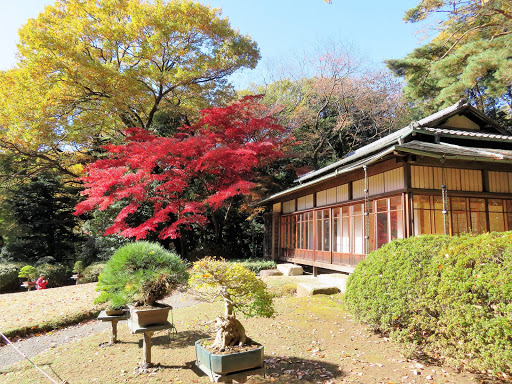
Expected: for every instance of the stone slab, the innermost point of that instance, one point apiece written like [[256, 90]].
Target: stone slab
[[290, 269], [315, 288], [334, 279], [270, 272]]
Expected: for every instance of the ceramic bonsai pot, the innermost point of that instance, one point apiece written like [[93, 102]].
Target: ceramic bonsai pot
[[219, 365], [143, 317]]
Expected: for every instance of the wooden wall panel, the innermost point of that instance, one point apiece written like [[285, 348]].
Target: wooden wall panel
[[499, 181], [438, 177], [342, 193], [331, 196], [376, 184], [321, 198], [358, 189], [289, 206], [394, 180], [456, 179]]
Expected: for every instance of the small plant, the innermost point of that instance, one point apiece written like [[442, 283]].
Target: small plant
[[79, 267], [240, 289], [140, 273], [28, 272]]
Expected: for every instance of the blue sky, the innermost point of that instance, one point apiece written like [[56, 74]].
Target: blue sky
[[280, 27]]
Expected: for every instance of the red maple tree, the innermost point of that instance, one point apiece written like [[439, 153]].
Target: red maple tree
[[184, 176]]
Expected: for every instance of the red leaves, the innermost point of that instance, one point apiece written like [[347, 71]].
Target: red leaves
[[183, 176]]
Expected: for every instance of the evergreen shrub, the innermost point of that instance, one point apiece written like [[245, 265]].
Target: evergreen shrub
[[448, 297], [140, 273], [9, 280], [92, 272]]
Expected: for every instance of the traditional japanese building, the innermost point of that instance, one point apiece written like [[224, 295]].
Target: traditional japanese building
[[450, 172]]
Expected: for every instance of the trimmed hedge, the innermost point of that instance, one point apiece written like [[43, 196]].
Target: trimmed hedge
[[92, 272], [255, 265], [449, 297], [57, 275]]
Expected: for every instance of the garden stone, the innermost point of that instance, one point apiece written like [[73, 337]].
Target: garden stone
[[334, 279], [290, 269], [315, 288], [270, 272]]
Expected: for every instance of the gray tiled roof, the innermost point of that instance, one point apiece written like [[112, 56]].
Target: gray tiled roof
[[455, 151], [405, 140], [464, 133]]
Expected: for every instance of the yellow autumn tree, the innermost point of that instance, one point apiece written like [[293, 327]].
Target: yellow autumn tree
[[89, 68]]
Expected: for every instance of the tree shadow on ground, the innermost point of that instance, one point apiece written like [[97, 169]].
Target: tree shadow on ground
[[296, 370], [289, 370], [177, 340]]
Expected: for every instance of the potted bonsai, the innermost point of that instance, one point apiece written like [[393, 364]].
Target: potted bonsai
[[240, 289], [30, 273], [139, 274], [78, 269]]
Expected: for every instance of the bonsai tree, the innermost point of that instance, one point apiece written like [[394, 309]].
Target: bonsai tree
[[79, 267], [140, 273], [241, 291], [28, 272]]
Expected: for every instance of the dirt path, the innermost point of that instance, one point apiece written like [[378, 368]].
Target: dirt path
[[38, 344]]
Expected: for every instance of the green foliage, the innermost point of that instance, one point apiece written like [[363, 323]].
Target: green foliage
[[79, 267], [469, 58], [140, 273], [239, 287], [446, 296], [28, 272], [256, 265], [44, 224], [57, 275], [9, 277], [92, 272], [168, 55]]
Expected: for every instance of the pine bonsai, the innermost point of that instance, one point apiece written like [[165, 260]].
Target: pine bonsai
[[140, 273], [28, 272], [240, 289]]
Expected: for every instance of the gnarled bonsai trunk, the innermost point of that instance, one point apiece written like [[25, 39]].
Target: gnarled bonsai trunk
[[230, 331]]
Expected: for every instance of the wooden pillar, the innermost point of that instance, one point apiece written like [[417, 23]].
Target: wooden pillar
[[146, 350], [113, 334], [315, 271]]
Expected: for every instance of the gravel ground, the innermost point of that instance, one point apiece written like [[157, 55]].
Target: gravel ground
[[35, 345]]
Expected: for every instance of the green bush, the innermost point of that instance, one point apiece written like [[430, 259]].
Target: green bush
[[57, 275], [140, 273], [9, 280], [471, 288], [256, 265], [92, 272], [448, 297]]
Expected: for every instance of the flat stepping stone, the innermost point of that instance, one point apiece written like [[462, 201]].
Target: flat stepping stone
[[334, 279], [290, 269], [315, 288], [270, 272]]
